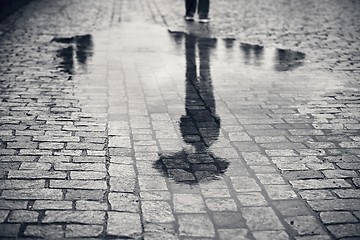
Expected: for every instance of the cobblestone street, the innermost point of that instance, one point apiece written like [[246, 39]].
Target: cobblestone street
[[119, 120]]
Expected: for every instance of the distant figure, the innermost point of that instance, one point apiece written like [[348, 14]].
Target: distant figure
[[202, 7]]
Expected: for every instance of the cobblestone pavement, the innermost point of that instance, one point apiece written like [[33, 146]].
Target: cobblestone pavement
[[111, 127], [326, 30]]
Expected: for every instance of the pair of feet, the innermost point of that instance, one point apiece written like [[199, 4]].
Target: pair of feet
[[201, 19]]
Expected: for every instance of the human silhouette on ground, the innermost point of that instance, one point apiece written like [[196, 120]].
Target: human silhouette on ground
[[200, 126], [80, 47]]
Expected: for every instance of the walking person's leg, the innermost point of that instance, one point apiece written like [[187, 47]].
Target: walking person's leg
[[203, 10], [190, 6]]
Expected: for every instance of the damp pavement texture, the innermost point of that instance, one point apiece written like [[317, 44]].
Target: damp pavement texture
[[113, 127]]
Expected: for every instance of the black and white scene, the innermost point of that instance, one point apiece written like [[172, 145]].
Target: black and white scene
[[180, 119]]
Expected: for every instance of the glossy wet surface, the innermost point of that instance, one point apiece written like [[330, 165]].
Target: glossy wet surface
[[135, 132]]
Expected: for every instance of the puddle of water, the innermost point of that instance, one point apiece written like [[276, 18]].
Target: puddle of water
[[75, 54], [204, 71]]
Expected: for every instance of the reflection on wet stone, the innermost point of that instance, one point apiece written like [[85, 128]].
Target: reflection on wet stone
[[288, 60], [67, 56], [253, 54], [284, 59], [200, 127], [229, 42], [80, 47]]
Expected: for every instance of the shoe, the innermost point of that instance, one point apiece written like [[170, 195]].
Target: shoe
[[204, 20], [189, 18]]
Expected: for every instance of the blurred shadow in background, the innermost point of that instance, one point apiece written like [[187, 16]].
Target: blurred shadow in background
[[79, 48]]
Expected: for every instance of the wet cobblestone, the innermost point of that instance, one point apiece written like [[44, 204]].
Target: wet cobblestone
[[111, 127], [325, 30]]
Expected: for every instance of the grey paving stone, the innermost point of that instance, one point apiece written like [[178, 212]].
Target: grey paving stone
[[31, 174], [118, 184], [52, 205], [124, 202], [356, 181], [233, 234], [301, 175], [313, 237], [264, 235], [13, 204], [281, 153], [53, 159], [50, 194], [261, 219], [292, 207], [160, 231], [264, 169], [155, 195], [255, 158], [215, 193], [345, 230], [349, 166], [320, 184], [335, 204], [320, 166], [347, 193], [22, 184], [244, 184], [82, 217], [91, 205], [339, 173], [3, 215], [221, 204], [82, 231], [271, 139], [87, 175], [152, 183], [123, 224], [248, 199], [280, 192], [84, 194], [188, 203], [337, 217], [23, 216], [246, 146], [305, 225], [9, 230], [157, 212], [270, 179], [239, 136], [51, 145], [34, 166], [160, 236], [232, 220], [44, 231], [78, 184], [64, 166], [121, 160], [195, 225]]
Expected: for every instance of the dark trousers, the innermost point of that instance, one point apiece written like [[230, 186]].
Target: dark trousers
[[202, 7]]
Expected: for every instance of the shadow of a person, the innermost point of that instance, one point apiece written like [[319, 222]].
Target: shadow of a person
[[200, 126], [80, 47]]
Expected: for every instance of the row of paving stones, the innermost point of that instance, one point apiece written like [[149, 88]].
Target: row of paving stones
[[314, 143], [53, 154], [325, 30]]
